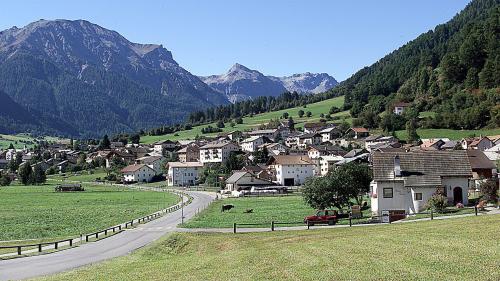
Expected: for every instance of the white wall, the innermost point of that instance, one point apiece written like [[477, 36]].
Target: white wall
[[298, 172]]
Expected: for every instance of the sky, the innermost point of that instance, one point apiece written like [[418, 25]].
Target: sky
[[276, 37]]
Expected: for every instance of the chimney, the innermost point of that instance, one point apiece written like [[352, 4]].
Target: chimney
[[397, 166]]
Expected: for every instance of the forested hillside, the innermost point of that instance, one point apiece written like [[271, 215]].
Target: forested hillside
[[453, 70]]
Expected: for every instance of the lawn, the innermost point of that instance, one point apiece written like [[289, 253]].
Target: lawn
[[456, 249], [41, 213], [265, 209], [83, 176], [253, 122]]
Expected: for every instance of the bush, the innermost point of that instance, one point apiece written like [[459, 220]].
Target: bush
[[437, 202], [5, 180], [489, 191]]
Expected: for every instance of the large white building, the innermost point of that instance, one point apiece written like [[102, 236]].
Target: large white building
[[183, 173], [291, 170], [404, 181], [154, 162], [217, 152], [138, 173], [328, 163], [252, 144]]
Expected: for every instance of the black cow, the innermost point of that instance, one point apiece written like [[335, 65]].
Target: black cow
[[226, 207]]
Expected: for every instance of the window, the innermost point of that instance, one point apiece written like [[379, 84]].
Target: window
[[418, 196], [387, 192]]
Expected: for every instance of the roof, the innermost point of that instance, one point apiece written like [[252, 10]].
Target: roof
[[402, 104], [184, 164], [133, 168], [236, 176], [478, 160], [251, 139], [421, 168], [216, 144], [163, 142], [267, 131], [328, 148], [360, 130], [149, 159], [290, 160]]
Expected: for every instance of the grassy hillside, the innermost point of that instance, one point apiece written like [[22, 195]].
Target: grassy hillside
[[20, 140], [456, 249], [251, 122]]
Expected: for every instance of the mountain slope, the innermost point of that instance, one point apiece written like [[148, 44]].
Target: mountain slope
[[96, 80], [241, 83], [453, 70]]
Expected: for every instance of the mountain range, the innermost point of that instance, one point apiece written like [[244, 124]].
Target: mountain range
[[79, 79], [241, 83]]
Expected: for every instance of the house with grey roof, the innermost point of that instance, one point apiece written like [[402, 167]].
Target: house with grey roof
[[244, 180], [404, 181]]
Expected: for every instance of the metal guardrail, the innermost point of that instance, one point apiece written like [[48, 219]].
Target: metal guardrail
[[112, 229]]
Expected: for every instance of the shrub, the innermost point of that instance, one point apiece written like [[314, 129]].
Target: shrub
[[437, 202], [489, 190]]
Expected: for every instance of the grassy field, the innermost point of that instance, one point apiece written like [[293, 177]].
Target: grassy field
[[252, 122], [20, 140], [40, 213], [448, 133], [84, 176], [456, 249], [265, 210]]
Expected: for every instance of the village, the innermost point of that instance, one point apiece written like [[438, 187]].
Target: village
[[281, 159]]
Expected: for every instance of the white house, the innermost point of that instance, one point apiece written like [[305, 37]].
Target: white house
[[309, 139], [316, 151], [400, 107], [138, 173], [160, 146], [183, 173], [327, 163], [252, 144], [481, 143], [217, 152], [404, 181], [291, 170], [271, 134], [330, 134], [154, 162], [275, 148]]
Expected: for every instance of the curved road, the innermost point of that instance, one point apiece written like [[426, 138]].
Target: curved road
[[111, 247]]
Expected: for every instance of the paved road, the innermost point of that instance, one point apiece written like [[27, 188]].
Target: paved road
[[114, 246]]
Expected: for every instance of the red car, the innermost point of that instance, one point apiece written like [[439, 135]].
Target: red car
[[322, 216]]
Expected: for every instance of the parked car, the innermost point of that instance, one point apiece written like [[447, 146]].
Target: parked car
[[322, 216]]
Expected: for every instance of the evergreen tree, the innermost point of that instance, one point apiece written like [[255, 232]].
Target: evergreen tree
[[411, 130], [105, 143]]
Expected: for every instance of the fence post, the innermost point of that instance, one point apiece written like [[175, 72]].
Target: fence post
[[71, 242], [96, 235], [56, 244], [19, 250], [432, 214], [350, 219], [105, 232], [475, 209], [234, 227], [39, 248], [272, 225], [86, 238], [308, 224]]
